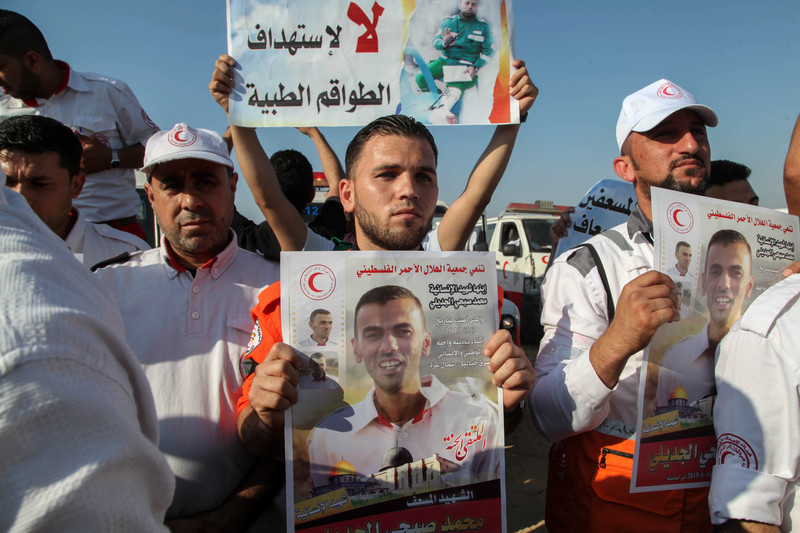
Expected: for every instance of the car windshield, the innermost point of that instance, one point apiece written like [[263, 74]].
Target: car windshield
[[538, 232]]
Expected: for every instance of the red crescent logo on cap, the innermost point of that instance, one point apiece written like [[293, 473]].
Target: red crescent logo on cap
[[680, 218], [317, 282], [669, 90], [180, 136]]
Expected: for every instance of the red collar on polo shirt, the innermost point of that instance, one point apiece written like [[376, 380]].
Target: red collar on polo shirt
[[32, 102], [318, 343], [73, 218], [173, 261], [385, 421]]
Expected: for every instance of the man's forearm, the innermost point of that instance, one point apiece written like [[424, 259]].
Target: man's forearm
[[460, 219], [743, 526], [250, 499], [279, 213], [131, 156], [791, 172], [331, 165], [259, 439], [567, 397]]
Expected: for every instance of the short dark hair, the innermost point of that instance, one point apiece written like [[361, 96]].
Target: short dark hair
[[295, 175], [726, 237], [724, 171], [35, 134], [681, 243], [317, 355], [18, 35], [316, 312], [389, 125], [383, 295]]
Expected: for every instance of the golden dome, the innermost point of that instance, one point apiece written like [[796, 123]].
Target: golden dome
[[679, 393], [343, 468]]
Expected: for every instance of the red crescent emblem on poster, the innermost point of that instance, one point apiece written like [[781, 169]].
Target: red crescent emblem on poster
[[680, 218], [311, 281], [317, 282]]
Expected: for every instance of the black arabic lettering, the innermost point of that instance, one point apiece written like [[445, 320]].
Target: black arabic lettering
[[261, 40], [335, 34]]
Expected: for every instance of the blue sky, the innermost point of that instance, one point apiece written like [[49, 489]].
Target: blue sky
[[740, 58]]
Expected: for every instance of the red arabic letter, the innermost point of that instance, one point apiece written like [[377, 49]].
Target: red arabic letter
[[367, 43]]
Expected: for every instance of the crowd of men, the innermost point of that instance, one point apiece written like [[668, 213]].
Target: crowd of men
[[142, 395]]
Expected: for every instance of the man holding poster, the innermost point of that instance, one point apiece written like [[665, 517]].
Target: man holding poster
[[402, 410], [391, 188], [601, 307]]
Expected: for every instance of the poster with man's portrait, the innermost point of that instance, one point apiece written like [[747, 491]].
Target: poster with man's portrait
[[397, 420], [721, 256]]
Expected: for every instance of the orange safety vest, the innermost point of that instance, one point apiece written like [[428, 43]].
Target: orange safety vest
[[588, 490]]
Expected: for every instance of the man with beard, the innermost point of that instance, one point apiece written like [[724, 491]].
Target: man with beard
[[465, 44], [458, 222], [104, 113], [391, 188], [726, 281], [186, 307], [602, 303]]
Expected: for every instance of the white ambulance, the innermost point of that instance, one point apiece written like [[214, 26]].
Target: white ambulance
[[520, 237]]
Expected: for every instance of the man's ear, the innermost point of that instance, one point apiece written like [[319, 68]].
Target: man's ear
[[623, 166], [234, 180], [32, 61], [356, 353], [148, 189], [347, 195], [749, 287], [426, 344], [76, 184]]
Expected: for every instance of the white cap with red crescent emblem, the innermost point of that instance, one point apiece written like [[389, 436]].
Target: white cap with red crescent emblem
[[185, 142], [646, 108]]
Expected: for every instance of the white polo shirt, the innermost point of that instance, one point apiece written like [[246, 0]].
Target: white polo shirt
[[91, 243], [189, 333], [676, 275], [77, 422], [104, 108], [440, 428], [757, 413], [308, 342]]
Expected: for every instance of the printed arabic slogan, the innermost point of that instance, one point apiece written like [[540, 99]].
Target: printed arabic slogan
[[397, 425], [345, 63], [722, 256]]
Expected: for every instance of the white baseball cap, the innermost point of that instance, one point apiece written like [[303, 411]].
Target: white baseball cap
[[185, 142], [647, 107]]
